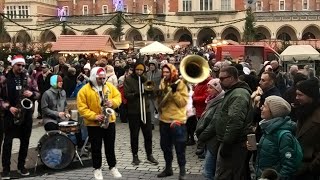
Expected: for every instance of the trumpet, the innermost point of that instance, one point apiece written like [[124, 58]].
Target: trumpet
[[149, 86]]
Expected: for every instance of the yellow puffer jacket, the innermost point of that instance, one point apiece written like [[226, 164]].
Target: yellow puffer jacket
[[88, 103], [175, 108]]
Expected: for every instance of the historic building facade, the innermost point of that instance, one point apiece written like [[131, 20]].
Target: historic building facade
[[197, 21]]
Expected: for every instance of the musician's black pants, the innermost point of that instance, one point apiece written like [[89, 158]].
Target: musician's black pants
[[1, 132], [96, 135], [135, 124], [23, 132]]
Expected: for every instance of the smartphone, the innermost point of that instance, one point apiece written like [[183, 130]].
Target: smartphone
[[252, 141]]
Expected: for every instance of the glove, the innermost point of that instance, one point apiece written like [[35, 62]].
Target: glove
[[174, 87]]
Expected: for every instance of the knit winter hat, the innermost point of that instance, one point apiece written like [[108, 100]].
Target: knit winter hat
[[309, 87], [215, 83], [87, 66], [278, 106], [54, 80]]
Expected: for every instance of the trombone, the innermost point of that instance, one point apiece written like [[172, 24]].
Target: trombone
[[142, 102]]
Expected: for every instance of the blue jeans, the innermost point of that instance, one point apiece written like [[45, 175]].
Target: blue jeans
[[209, 166], [170, 137]]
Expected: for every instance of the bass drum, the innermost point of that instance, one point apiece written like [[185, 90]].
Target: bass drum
[[56, 150]]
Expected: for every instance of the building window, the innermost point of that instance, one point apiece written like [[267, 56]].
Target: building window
[[105, 9], [186, 5], [259, 6], [205, 5], [305, 4], [66, 10], [125, 8], [145, 9], [225, 5], [85, 10], [17, 12], [282, 5]]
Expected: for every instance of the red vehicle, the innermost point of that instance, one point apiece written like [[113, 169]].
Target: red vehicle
[[257, 54]]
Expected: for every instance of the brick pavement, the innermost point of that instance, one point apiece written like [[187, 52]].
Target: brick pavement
[[124, 158]]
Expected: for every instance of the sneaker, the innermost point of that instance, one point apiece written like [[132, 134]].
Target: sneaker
[[23, 172], [5, 175], [115, 173], [152, 160], [98, 174], [135, 160]]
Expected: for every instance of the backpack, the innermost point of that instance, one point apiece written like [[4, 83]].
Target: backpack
[[298, 153]]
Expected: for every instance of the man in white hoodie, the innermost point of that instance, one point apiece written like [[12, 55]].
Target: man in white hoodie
[[91, 99]]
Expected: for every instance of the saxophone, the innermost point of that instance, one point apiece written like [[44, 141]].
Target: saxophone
[[23, 104], [107, 112]]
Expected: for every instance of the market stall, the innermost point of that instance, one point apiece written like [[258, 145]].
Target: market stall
[[156, 48], [300, 55]]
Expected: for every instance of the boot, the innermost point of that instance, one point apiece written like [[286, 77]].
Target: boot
[[135, 160], [166, 172], [191, 142], [152, 160], [182, 174]]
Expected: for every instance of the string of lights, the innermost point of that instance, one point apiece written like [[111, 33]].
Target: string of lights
[[47, 27], [132, 25], [105, 23]]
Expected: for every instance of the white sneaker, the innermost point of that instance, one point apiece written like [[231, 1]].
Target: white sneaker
[[98, 174], [115, 173]]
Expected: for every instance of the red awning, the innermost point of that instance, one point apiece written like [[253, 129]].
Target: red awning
[[103, 43]]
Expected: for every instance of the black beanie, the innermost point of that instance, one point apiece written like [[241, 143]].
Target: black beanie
[[309, 87]]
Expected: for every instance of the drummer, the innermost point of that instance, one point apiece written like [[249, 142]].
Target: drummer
[[53, 104]]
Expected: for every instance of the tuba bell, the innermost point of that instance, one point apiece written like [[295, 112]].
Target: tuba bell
[[194, 69]]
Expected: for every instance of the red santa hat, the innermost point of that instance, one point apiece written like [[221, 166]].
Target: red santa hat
[[18, 59]]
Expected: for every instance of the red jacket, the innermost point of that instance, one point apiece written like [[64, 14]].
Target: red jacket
[[199, 96]]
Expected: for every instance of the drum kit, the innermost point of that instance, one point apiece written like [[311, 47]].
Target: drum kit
[[56, 149]]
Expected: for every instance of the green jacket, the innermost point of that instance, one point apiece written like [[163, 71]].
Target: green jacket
[[205, 130], [236, 114], [274, 154]]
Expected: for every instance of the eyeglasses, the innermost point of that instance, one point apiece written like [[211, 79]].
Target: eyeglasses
[[102, 79], [223, 78], [20, 65]]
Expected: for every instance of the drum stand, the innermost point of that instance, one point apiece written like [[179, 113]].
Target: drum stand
[[84, 146], [77, 154]]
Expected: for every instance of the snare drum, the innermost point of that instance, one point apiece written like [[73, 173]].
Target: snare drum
[[56, 150], [69, 127]]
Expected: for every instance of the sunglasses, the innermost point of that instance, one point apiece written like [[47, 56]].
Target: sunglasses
[[101, 78]]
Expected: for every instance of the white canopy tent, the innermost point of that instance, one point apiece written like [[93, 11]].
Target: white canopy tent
[[156, 48], [300, 53]]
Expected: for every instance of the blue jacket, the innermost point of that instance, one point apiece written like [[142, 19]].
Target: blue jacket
[[274, 154]]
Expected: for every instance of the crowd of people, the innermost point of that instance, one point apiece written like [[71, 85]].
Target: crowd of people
[[280, 109]]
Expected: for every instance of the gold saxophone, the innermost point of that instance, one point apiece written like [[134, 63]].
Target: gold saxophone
[[107, 112], [23, 103]]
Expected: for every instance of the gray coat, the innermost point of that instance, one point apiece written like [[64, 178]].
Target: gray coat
[[154, 76], [53, 101]]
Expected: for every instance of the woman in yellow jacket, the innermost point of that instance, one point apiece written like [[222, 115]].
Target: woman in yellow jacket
[[173, 116], [90, 100]]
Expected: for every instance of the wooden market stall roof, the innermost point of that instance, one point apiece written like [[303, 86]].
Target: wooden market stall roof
[[84, 43]]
